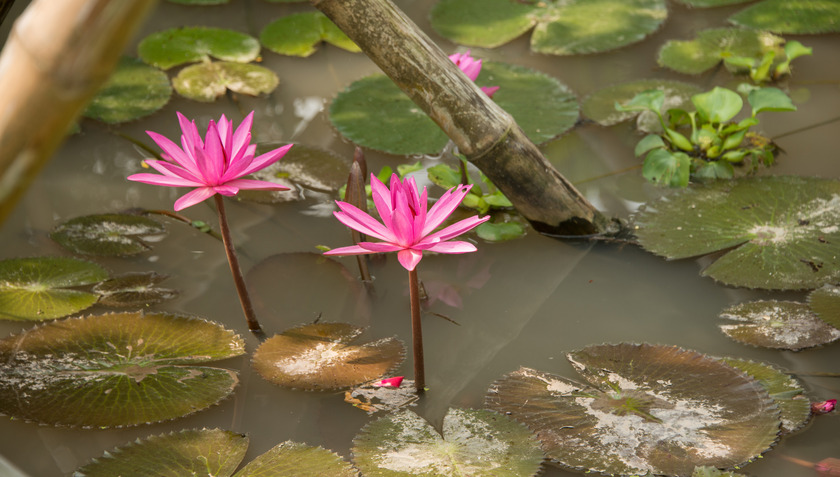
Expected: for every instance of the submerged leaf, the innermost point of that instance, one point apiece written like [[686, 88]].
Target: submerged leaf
[[121, 369], [778, 324], [299, 34], [825, 302], [320, 357], [657, 409], [178, 46], [133, 290], [791, 17], [133, 91], [475, 442], [108, 235], [207, 81]]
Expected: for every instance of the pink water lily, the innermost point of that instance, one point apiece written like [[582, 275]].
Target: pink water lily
[[823, 407], [472, 67], [407, 227], [214, 165]]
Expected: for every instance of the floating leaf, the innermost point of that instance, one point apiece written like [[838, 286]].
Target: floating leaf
[[133, 91], [374, 113], [41, 288], [373, 398], [501, 231], [713, 45], [207, 81], [706, 471], [292, 459], [788, 393], [121, 369], [711, 3], [319, 357], [108, 235], [785, 16], [778, 324], [657, 409], [299, 34], [177, 46], [825, 302], [189, 452], [561, 28], [781, 233], [475, 442], [600, 106], [134, 290]]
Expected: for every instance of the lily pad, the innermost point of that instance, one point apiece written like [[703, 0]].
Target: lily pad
[[178, 46], [108, 235], [299, 34], [293, 459], [786, 390], [600, 106], [787, 17], [711, 3], [320, 356], [706, 471], [778, 324], [43, 288], [560, 28], [133, 91], [779, 233], [475, 442], [714, 45], [121, 369], [825, 302], [134, 290], [207, 81], [373, 112], [644, 408]]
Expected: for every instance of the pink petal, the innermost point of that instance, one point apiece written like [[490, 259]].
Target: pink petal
[[389, 382], [409, 258], [190, 139], [194, 197], [490, 90], [157, 179], [444, 207], [226, 190], [449, 247], [253, 184], [402, 221], [172, 150], [215, 163], [356, 219], [240, 164], [264, 160], [456, 229], [242, 136], [382, 200], [173, 170], [381, 247], [351, 250]]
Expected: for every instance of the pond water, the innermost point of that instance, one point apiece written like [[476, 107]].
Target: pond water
[[540, 297]]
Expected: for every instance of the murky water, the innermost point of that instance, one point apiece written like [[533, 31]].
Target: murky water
[[540, 297]]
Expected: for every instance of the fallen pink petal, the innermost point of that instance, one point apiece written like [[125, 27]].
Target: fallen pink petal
[[389, 382], [823, 407]]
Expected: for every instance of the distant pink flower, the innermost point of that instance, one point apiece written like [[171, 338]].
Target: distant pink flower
[[213, 166], [823, 407], [472, 67], [389, 382], [407, 226]]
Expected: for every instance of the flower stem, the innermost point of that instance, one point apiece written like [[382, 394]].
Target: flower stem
[[416, 332], [238, 279]]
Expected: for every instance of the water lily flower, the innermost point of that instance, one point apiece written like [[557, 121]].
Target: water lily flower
[[472, 67], [823, 407], [389, 382], [407, 227], [213, 166]]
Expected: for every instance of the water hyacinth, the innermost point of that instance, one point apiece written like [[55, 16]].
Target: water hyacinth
[[472, 67]]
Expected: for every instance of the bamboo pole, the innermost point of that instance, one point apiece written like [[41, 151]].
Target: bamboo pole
[[57, 56], [486, 134]]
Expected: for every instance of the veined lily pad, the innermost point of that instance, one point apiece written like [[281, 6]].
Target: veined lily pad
[[791, 17], [320, 357], [373, 112], [293, 459], [42, 288], [178, 46], [133, 290], [711, 3], [713, 45], [778, 324], [561, 28], [121, 369], [299, 34], [825, 302], [207, 81], [134, 90], [657, 409], [782, 231], [475, 442], [600, 106], [784, 389], [108, 235]]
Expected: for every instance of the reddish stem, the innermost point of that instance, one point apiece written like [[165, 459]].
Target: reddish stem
[[416, 332]]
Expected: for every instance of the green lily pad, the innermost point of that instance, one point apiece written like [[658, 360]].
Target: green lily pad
[[785, 16], [786, 390], [134, 290], [825, 302], [706, 471], [644, 408], [43, 288], [293, 459], [600, 106], [108, 235], [178, 46], [133, 91], [299, 34], [475, 442], [714, 45], [561, 28], [711, 3], [207, 81], [778, 324], [779, 233], [500, 231], [373, 112], [320, 357], [121, 369]]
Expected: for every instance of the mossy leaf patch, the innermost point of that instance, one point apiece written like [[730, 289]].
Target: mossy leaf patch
[[178, 46], [133, 91], [778, 233], [115, 370], [712, 46], [825, 302], [474, 442], [711, 3], [43, 288], [787, 17], [207, 81], [643, 408], [299, 34], [777, 324], [600, 105], [136, 289], [108, 235]]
